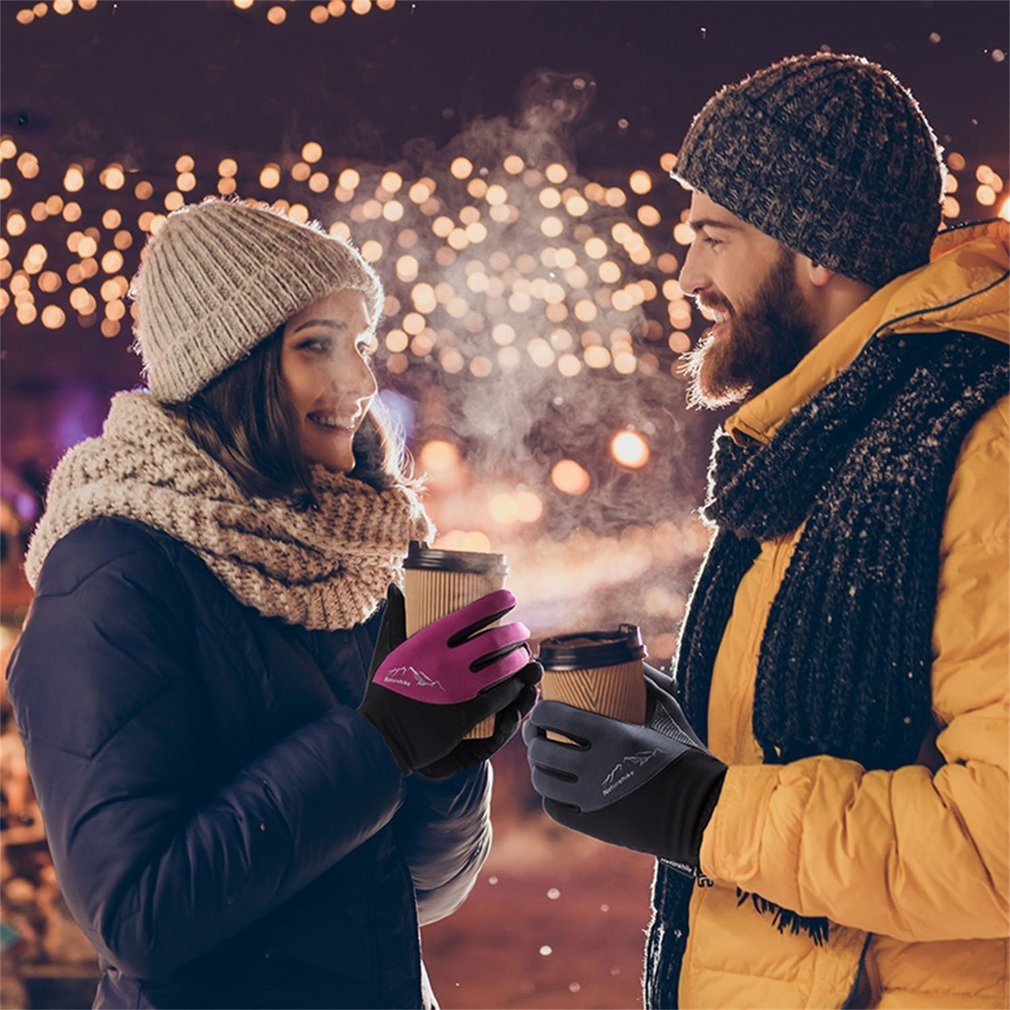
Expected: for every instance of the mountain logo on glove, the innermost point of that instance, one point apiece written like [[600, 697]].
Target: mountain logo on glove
[[408, 676], [626, 768]]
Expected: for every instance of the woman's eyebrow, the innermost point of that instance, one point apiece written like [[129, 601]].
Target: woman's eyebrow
[[334, 323]]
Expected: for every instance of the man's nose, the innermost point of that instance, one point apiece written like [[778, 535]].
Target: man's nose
[[692, 279]]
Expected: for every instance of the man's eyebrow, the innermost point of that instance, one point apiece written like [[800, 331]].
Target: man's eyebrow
[[709, 222], [335, 324]]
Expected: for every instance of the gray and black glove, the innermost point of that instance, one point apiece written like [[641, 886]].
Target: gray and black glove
[[651, 788]]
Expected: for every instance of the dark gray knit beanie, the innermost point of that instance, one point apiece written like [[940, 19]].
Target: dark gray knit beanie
[[829, 155]]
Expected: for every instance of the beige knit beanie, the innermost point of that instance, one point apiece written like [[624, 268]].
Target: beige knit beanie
[[221, 276]]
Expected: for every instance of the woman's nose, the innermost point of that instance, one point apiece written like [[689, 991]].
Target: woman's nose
[[354, 378]]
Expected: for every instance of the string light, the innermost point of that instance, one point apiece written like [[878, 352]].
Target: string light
[[579, 299]]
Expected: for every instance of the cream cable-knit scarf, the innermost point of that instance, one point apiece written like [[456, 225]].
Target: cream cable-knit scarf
[[320, 569]]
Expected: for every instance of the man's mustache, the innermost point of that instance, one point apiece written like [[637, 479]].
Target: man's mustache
[[706, 303]]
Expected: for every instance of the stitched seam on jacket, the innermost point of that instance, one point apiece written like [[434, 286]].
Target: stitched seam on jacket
[[969, 837], [897, 855], [803, 829], [152, 549], [126, 721], [939, 308]]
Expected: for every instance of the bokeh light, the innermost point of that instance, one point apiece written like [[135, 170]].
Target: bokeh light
[[629, 449]]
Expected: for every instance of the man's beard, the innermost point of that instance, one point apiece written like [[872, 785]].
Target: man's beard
[[766, 340]]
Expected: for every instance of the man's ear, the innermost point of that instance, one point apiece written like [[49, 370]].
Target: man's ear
[[816, 274]]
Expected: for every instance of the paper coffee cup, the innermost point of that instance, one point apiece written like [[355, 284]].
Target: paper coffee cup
[[437, 582], [599, 671]]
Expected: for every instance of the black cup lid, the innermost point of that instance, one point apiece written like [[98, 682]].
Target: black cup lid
[[473, 562], [586, 650]]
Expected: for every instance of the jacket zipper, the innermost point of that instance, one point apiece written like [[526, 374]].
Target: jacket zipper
[[873, 976], [865, 992]]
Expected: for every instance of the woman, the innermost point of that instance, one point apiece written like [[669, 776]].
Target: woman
[[232, 822]]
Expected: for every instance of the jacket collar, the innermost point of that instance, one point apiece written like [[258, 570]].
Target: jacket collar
[[963, 287]]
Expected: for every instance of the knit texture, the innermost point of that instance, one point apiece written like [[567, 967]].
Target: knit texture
[[828, 155], [322, 569], [221, 276], [844, 665]]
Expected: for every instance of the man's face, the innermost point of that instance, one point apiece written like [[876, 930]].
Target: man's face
[[747, 283]]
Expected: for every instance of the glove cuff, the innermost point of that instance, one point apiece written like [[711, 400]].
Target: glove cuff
[[398, 756], [707, 810]]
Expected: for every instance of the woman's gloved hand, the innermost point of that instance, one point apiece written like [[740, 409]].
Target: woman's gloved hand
[[426, 692], [469, 752], [651, 788]]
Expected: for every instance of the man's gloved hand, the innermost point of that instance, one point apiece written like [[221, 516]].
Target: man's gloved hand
[[651, 788], [469, 752], [426, 692]]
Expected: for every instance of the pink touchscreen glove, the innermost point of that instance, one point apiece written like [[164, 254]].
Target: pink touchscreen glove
[[429, 691]]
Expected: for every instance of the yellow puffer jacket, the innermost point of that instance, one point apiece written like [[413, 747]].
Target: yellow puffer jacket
[[910, 866]]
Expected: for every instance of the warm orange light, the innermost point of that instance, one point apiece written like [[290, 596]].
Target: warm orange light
[[985, 195], [112, 177], [648, 215], [640, 182], [112, 261], [502, 508], [53, 317], [569, 477], [683, 233], [460, 168], [629, 449], [73, 179], [549, 197], [372, 251], [556, 173], [349, 178], [270, 176]]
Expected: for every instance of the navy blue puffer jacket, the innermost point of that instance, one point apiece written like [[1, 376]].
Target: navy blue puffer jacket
[[226, 828]]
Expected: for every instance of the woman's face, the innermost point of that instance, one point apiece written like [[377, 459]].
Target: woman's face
[[324, 361]]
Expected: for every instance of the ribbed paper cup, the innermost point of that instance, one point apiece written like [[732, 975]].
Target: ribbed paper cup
[[599, 671], [437, 582]]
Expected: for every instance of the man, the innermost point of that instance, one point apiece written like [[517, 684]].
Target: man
[[828, 800]]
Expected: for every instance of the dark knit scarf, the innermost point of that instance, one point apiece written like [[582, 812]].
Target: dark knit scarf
[[845, 660]]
